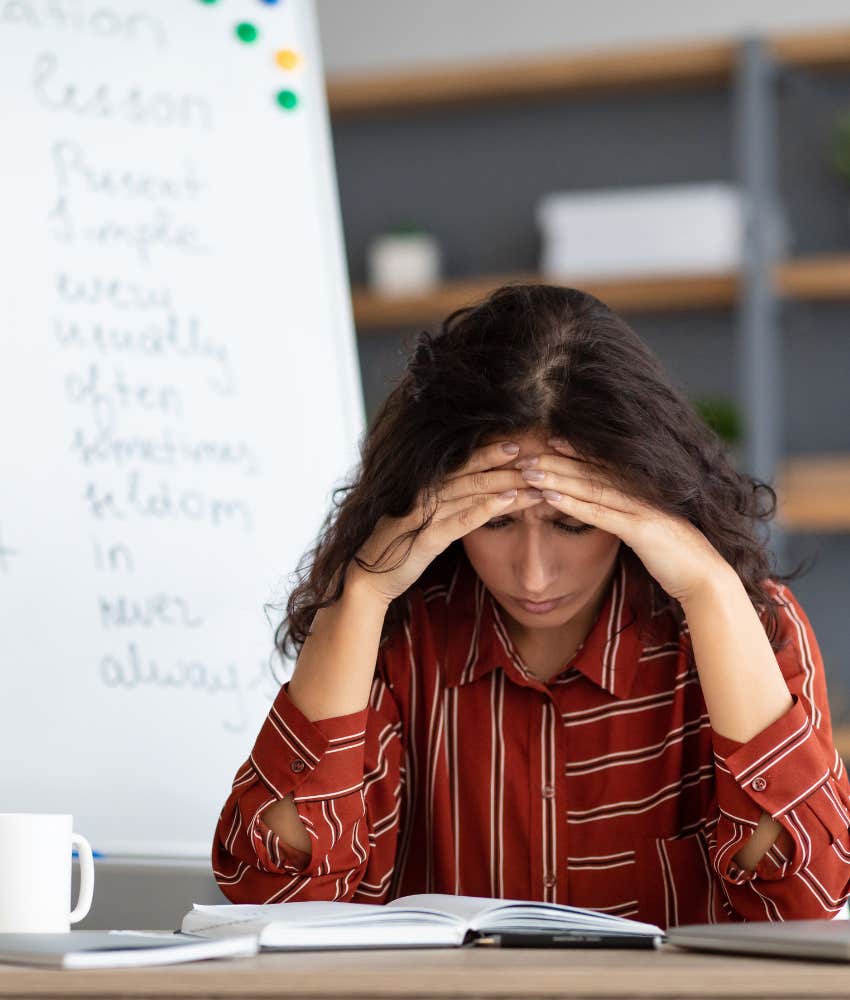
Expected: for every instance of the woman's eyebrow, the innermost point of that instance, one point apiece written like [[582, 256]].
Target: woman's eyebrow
[[569, 518], [557, 516]]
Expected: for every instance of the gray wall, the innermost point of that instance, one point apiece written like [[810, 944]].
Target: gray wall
[[387, 34], [146, 895]]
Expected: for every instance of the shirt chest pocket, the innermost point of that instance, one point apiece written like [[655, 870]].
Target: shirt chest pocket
[[675, 881]]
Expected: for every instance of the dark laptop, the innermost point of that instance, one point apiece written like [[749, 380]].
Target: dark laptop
[[829, 939]]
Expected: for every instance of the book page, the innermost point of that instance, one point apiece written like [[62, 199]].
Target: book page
[[241, 917], [482, 912], [465, 908], [324, 924]]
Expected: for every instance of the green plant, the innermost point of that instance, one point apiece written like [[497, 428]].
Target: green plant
[[839, 154], [722, 416]]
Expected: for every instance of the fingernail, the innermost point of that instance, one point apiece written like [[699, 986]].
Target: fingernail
[[509, 448], [526, 463]]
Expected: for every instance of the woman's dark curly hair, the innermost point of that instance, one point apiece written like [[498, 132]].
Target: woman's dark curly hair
[[537, 356]]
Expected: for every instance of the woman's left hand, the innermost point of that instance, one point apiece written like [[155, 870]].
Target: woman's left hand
[[672, 549]]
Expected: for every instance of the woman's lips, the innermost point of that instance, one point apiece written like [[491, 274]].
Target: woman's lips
[[540, 607]]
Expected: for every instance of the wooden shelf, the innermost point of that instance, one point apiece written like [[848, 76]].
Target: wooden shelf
[[652, 292], [820, 278], [819, 50], [671, 66], [816, 278], [813, 493], [540, 78]]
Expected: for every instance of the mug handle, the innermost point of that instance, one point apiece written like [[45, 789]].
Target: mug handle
[[86, 891]]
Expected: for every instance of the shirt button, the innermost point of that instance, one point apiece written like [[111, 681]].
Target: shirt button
[[733, 871], [549, 881], [548, 791], [297, 765], [759, 784]]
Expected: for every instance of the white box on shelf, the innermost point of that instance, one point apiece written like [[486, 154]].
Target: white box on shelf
[[407, 263], [680, 228]]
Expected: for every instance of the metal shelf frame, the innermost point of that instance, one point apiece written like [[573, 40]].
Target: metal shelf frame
[[758, 343]]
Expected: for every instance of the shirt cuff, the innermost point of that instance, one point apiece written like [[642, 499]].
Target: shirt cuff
[[319, 759], [782, 768]]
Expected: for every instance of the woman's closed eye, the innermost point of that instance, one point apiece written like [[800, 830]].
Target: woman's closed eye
[[571, 529]]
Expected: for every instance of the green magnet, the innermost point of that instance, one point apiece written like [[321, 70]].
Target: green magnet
[[246, 32], [287, 99]]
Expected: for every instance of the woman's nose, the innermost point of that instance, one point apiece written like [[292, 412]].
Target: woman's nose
[[535, 569]]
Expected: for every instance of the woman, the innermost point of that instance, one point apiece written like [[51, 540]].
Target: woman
[[650, 738]]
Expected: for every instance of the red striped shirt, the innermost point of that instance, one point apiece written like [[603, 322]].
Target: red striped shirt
[[604, 787]]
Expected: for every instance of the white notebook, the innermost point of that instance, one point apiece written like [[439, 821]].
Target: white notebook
[[87, 949], [426, 920]]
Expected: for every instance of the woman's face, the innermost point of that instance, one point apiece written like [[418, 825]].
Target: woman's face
[[540, 554]]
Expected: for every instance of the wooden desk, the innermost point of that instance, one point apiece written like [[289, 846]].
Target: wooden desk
[[444, 972]]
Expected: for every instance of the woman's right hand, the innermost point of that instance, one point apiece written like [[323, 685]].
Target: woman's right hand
[[467, 498]]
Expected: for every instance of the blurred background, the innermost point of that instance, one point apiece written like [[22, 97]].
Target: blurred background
[[689, 164]]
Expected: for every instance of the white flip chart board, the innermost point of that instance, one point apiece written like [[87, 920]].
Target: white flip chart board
[[179, 396]]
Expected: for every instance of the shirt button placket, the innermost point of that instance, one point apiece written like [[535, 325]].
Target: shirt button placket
[[559, 794], [550, 879], [548, 796], [563, 799]]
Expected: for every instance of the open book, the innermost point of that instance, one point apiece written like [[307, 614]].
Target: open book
[[424, 921]]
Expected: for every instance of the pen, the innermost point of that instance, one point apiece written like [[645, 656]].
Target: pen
[[579, 939]]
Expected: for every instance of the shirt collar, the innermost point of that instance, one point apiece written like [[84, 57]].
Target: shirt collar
[[478, 640]]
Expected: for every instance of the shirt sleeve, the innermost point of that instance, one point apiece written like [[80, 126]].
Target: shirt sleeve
[[792, 771], [347, 780]]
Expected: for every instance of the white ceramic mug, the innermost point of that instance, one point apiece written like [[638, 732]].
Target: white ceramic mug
[[35, 873]]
